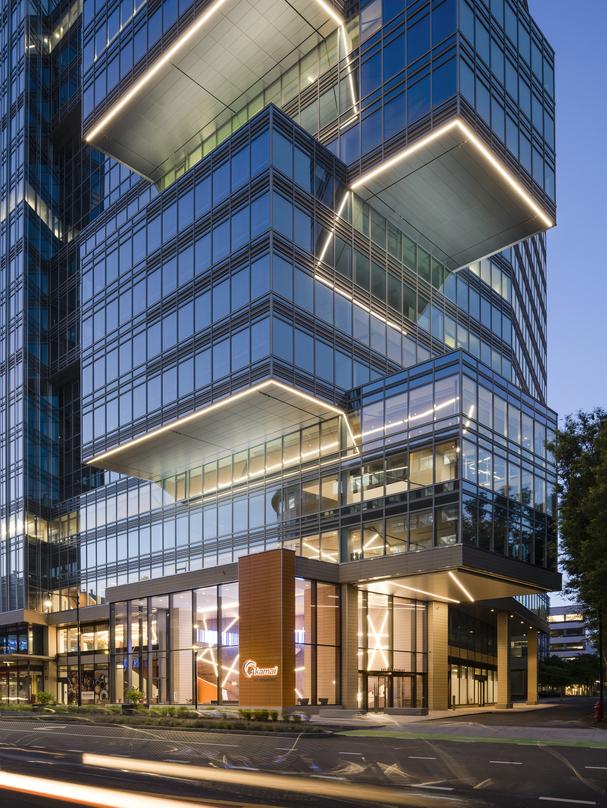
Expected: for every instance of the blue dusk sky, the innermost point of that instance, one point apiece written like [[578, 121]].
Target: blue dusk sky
[[577, 262], [577, 259]]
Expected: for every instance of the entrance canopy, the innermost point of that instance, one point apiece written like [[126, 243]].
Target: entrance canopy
[[458, 573], [450, 586]]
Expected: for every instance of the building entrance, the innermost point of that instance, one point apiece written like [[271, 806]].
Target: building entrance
[[378, 692], [481, 689], [19, 683], [392, 690]]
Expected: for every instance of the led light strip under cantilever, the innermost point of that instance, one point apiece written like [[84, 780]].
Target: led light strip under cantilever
[[169, 54], [458, 583], [432, 595], [95, 461], [478, 144]]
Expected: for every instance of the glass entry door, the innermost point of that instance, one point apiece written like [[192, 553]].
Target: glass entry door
[[398, 690], [18, 685], [403, 691], [378, 692], [480, 690]]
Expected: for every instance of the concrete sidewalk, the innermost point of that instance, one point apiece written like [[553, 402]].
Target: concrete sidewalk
[[476, 732], [438, 726], [369, 719]]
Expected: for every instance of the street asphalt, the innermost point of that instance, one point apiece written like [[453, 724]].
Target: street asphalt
[[548, 758]]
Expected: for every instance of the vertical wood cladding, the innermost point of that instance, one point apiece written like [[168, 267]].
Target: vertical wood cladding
[[438, 660], [267, 627], [349, 646], [504, 697]]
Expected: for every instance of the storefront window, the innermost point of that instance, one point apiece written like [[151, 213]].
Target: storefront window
[[303, 641], [317, 615], [120, 625], [470, 684], [229, 642], [181, 647]]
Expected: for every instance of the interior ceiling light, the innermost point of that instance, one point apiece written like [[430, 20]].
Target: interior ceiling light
[[170, 54], [216, 406], [458, 583], [478, 144]]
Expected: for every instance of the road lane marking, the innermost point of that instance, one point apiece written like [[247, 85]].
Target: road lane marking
[[507, 762], [420, 757], [50, 727], [436, 788], [603, 768], [570, 802], [357, 754], [293, 745], [326, 777]]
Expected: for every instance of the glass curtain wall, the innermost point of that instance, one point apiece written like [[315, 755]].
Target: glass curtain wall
[[317, 642], [184, 648], [216, 645], [91, 677], [178, 649], [392, 652]]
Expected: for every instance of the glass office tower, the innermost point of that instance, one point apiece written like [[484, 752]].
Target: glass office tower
[[274, 351]]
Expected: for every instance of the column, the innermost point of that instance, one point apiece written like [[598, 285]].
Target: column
[[504, 699], [266, 584], [532, 663], [50, 667], [349, 646], [438, 656]]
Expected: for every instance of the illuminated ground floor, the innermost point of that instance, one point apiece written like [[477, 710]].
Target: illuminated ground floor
[[280, 631]]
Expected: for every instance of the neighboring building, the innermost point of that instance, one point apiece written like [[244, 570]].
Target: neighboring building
[[274, 424], [568, 632]]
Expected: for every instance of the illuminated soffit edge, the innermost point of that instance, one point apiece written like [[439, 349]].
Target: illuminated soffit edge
[[194, 416], [433, 595], [478, 144], [169, 54], [458, 583]]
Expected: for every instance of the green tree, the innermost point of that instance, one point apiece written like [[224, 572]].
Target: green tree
[[581, 456], [585, 669], [556, 673], [552, 674]]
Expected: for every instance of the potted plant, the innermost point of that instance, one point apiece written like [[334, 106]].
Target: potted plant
[[133, 699]]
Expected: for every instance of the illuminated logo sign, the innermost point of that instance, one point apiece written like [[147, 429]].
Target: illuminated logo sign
[[252, 671]]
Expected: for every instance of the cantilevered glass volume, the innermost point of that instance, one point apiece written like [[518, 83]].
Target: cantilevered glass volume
[[274, 359]]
